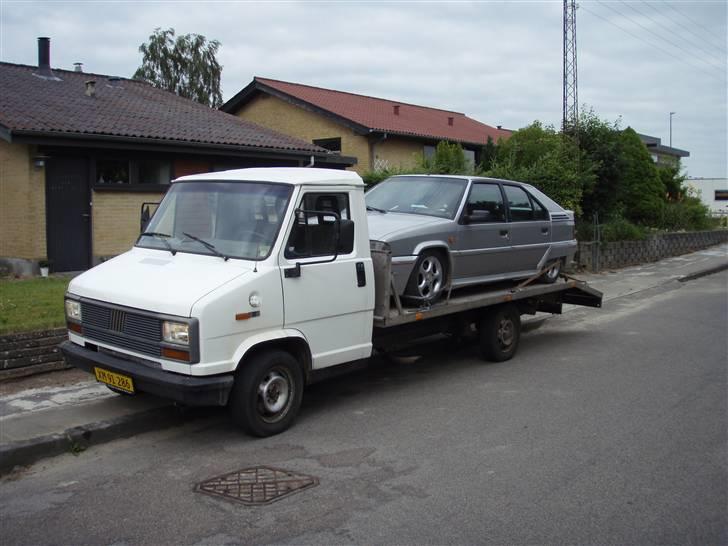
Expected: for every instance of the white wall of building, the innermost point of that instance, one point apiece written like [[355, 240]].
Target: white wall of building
[[706, 188]]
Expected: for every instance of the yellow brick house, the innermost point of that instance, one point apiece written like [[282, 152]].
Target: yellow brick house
[[379, 133], [80, 153]]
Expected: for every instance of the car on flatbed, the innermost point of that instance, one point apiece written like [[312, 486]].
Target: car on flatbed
[[456, 231]]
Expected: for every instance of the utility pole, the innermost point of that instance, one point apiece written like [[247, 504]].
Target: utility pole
[[570, 118], [671, 114]]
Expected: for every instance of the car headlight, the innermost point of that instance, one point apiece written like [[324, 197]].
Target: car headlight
[[176, 332], [73, 310]]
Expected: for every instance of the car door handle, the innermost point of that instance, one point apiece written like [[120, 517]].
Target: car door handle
[[545, 230], [504, 233]]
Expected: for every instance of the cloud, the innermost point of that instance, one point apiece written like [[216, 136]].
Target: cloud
[[499, 62]]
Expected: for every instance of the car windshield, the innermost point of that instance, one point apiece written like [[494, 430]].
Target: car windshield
[[426, 195], [227, 219]]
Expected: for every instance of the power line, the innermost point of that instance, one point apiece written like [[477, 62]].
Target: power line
[[684, 27], [660, 25], [673, 44], [712, 75], [668, 4]]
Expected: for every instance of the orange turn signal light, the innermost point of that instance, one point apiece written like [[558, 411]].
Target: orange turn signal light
[[246, 316], [176, 354], [75, 327]]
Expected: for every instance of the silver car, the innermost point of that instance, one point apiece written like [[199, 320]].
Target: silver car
[[461, 230]]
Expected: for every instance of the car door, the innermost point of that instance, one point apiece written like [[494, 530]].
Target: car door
[[530, 229], [482, 244], [329, 300]]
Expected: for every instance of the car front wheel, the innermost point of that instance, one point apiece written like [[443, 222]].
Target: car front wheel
[[429, 277]]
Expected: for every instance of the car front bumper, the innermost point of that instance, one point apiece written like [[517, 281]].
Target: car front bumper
[[188, 390]]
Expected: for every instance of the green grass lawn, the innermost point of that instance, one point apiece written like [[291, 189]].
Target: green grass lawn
[[31, 304]]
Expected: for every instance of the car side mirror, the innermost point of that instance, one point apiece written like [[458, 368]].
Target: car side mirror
[[477, 217]]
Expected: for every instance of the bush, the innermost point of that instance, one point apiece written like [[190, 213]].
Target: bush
[[689, 215], [621, 229]]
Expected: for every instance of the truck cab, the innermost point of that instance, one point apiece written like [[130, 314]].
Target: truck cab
[[242, 284]]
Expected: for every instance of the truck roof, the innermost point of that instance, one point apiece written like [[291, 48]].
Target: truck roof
[[288, 175]]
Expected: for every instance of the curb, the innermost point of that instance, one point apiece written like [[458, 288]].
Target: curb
[[77, 439], [704, 272]]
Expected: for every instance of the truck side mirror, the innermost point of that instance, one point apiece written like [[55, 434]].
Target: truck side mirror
[[145, 215]]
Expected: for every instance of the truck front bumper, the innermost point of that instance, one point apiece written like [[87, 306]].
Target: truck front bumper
[[186, 389]]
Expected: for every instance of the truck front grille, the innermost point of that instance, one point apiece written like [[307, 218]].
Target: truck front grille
[[122, 328]]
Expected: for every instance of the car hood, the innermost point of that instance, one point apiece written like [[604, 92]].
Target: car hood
[[385, 227], [154, 280]]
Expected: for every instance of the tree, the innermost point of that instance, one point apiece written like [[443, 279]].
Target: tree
[[547, 159], [185, 65], [641, 192], [447, 159]]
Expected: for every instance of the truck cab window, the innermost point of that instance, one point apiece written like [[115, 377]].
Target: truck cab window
[[315, 229]]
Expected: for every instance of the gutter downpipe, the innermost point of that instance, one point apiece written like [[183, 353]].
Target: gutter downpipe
[[373, 148]]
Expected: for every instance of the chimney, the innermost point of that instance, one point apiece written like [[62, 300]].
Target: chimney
[[91, 88], [499, 127], [396, 109], [44, 59], [78, 67], [450, 120]]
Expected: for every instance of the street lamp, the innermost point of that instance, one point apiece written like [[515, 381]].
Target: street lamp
[[671, 114]]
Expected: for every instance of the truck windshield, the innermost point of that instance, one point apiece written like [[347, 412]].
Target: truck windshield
[[227, 219], [427, 195]]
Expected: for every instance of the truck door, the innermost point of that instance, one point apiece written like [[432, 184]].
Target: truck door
[[329, 298]]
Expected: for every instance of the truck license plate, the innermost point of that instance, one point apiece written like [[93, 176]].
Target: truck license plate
[[116, 380]]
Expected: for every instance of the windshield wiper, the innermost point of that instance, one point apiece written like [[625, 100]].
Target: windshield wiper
[[210, 246], [162, 237], [369, 207]]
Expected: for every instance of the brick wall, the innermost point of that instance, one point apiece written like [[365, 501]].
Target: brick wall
[[398, 152], [288, 119], [22, 203], [31, 352], [598, 256], [116, 220]]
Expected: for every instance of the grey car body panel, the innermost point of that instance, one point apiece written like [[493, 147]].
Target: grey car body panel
[[479, 252]]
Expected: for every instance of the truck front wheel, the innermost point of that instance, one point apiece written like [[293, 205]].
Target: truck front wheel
[[267, 393], [500, 332]]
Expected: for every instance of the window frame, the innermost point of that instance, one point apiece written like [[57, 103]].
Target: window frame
[[300, 206], [464, 211]]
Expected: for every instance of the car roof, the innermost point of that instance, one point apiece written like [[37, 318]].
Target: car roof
[[287, 175]]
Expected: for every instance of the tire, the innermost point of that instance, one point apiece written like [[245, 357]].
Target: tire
[[267, 393], [428, 278], [552, 275], [499, 333]]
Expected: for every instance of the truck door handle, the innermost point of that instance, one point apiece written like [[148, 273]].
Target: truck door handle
[[361, 274], [504, 233]]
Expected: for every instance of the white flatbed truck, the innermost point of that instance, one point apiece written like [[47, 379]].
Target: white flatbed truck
[[244, 288]]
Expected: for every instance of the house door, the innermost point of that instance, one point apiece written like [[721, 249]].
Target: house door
[[68, 214]]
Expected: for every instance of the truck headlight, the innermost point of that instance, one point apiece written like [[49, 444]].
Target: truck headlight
[[73, 310], [176, 332]]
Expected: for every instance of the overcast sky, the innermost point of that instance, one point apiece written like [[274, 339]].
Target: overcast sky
[[499, 62]]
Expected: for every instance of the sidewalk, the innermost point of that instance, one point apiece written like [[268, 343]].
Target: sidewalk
[[60, 412]]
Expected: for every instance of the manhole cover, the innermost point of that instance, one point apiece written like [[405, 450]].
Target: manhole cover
[[257, 485]]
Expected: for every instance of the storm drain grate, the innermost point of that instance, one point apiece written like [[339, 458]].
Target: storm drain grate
[[257, 485]]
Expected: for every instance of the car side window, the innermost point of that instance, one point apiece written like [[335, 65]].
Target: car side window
[[315, 228], [485, 204], [539, 211], [519, 204]]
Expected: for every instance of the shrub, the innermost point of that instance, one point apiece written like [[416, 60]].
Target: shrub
[[621, 229], [687, 214]]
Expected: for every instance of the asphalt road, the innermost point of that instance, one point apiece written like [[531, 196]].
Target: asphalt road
[[609, 427]]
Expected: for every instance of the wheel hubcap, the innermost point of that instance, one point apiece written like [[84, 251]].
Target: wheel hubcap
[[554, 271], [274, 392], [429, 277], [505, 333]]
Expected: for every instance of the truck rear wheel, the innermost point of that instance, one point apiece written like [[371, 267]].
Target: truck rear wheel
[[267, 393], [499, 333]]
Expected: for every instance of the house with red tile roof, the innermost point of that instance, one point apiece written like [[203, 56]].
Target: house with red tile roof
[[81, 152], [380, 133]]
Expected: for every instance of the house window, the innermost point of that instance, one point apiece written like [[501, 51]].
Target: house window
[[330, 144], [469, 157], [721, 195], [428, 151], [154, 172], [112, 171]]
